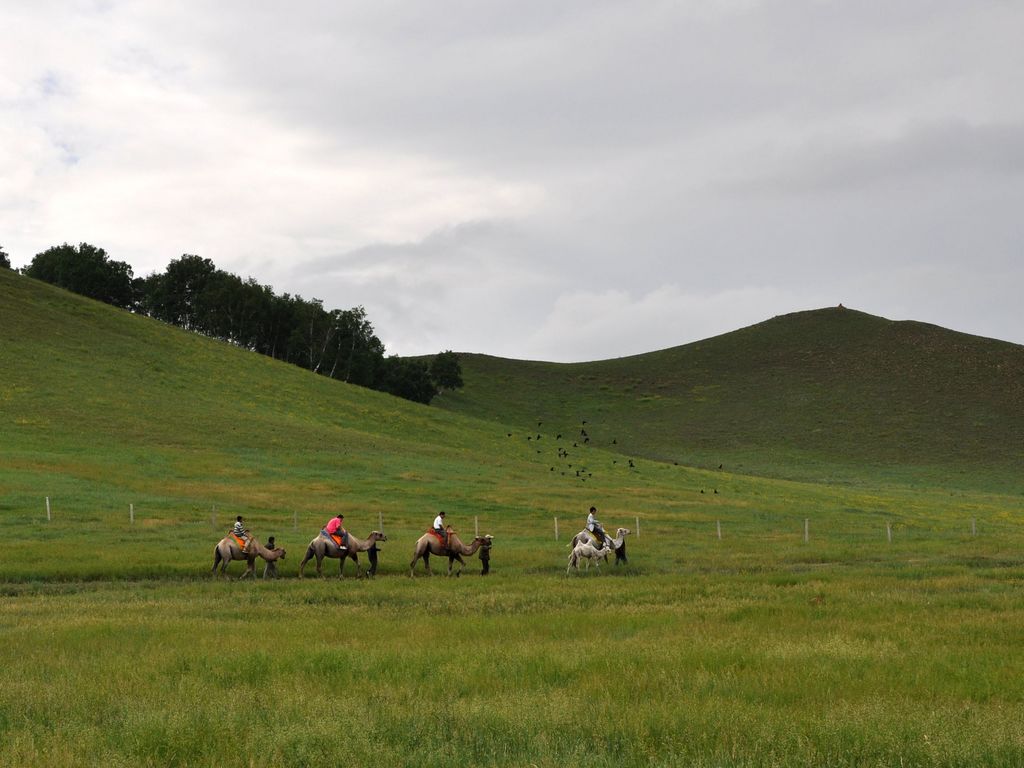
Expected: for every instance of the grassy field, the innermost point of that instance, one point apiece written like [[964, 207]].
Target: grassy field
[[754, 649]]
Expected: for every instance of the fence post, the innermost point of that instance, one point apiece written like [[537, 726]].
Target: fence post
[[131, 514], [48, 518], [807, 529], [556, 529], [638, 527], [974, 526], [380, 520], [476, 526], [888, 531], [718, 528]]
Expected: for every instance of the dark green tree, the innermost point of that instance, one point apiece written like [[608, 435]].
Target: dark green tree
[[313, 331], [86, 270], [5, 260], [446, 371], [404, 377], [174, 295], [357, 350]]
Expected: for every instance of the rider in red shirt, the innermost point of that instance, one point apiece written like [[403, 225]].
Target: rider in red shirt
[[335, 528]]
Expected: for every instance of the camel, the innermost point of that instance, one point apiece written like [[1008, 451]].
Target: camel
[[585, 549], [227, 549], [428, 544], [321, 547], [618, 544]]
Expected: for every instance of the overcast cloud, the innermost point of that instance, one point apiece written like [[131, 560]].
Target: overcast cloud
[[561, 181]]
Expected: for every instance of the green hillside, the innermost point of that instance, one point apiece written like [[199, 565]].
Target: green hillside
[[822, 395], [759, 621], [116, 409]]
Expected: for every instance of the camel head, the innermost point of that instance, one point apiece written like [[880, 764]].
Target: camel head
[[485, 541], [378, 536], [280, 551], [622, 532]]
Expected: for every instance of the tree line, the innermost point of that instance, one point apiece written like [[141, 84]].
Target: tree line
[[192, 293]]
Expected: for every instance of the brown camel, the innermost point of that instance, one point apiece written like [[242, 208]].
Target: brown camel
[[322, 547], [428, 544], [227, 549]]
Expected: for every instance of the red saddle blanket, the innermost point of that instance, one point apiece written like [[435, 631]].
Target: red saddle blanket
[[438, 536]]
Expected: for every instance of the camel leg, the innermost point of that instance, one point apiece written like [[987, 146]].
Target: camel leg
[[306, 559], [319, 565], [216, 559], [250, 569], [451, 563]]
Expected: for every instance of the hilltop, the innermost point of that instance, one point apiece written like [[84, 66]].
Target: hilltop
[[825, 394]]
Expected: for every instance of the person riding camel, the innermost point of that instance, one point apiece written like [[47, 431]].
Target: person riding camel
[[594, 526], [239, 531], [335, 531], [439, 528]]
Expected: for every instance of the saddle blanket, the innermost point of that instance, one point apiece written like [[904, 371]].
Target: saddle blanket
[[339, 542]]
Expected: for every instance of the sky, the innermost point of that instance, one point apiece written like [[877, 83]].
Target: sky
[[550, 180]]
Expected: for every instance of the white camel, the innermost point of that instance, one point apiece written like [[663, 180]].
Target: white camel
[[618, 544], [587, 551], [586, 535]]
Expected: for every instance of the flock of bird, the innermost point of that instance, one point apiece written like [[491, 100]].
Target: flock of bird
[[580, 471]]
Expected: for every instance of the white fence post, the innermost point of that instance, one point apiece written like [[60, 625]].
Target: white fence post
[[974, 526], [380, 520], [888, 532], [131, 514], [48, 518], [718, 527], [556, 529], [638, 527], [807, 529], [476, 526]]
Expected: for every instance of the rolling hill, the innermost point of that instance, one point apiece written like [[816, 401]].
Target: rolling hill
[[830, 394]]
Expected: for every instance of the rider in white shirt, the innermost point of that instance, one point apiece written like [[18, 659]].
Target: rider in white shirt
[[595, 527], [439, 527]]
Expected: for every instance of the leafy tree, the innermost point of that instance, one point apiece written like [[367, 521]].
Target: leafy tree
[[86, 270], [313, 330], [407, 378], [5, 260], [357, 350], [446, 371], [174, 296]]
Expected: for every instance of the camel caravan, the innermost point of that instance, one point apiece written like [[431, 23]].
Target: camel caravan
[[591, 544]]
